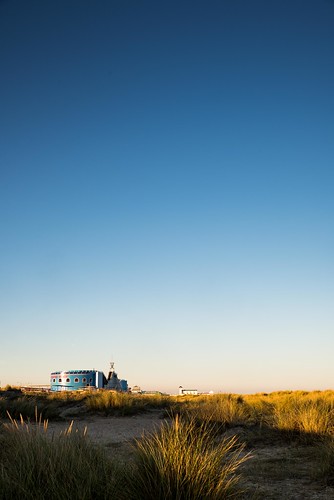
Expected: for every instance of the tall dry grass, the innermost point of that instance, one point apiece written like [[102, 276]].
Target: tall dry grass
[[305, 414], [112, 402], [50, 404], [183, 460], [35, 465], [180, 461], [222, 410]]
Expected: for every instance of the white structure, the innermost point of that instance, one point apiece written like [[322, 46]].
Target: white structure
[[136, 389], [184, 392]]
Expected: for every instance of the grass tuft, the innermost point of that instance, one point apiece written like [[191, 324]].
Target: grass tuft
[[183, 460], [36, 465]]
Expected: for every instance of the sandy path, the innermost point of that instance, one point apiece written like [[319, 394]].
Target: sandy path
[[112, 430]]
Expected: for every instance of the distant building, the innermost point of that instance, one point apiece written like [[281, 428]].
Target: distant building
[[73, 380], [136, 389], [184, 392]]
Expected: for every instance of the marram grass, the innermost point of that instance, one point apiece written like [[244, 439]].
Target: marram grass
[[120, 403], [184, 461], [304, 414], [35, 465], [224, 409]]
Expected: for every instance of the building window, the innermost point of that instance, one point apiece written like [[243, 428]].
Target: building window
[[84, 380], [53, 380], [59, 380], [68, 380], [76, 380]]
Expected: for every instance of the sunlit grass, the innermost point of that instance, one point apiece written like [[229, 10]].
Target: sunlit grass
[[124, 403], [223, 409], [33, 461], [183, 460], [310, 415]]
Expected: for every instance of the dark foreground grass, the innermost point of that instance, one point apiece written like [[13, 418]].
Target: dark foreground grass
[[37, 466], [325, 458], [181, 461]]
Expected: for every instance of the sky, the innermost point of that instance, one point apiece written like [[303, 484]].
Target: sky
[[166, 192]]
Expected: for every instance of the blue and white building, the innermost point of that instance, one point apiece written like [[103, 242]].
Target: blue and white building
[[72, 380]]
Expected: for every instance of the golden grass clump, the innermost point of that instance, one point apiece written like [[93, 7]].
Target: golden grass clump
[[184, 460], [304, 414], [222, 409]]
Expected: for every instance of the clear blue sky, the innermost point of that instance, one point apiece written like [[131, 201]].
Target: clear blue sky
[[166, 194]]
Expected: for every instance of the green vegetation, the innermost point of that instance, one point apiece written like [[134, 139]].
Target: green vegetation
[[223, 410], [199, 451], [301, 413], [35, 465], [52, 405], [305, 414], [119, 403], [183, 461]]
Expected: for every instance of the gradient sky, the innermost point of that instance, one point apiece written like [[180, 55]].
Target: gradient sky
[[167, 192]]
